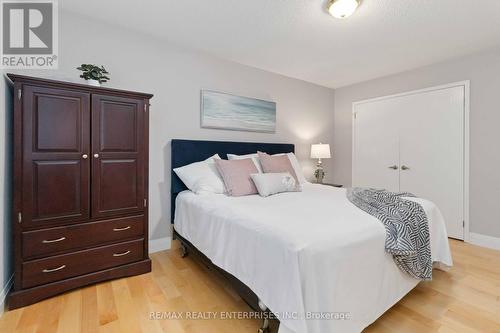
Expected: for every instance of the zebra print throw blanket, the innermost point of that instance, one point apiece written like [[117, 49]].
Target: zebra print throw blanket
[[407, 231]]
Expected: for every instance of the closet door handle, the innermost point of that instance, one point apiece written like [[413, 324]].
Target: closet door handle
[[404, 167], [393, 167]]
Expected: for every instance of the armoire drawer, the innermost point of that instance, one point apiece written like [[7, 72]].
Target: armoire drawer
[[51, 241], [41, 271]]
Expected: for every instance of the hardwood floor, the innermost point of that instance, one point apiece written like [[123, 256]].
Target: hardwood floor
[[466, 299]]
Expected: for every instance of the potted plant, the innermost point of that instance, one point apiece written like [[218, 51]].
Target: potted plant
[[94, 75]]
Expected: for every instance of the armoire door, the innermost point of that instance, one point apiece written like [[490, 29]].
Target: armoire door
[[376, 146], [432, 152], [117, 155], [56, 145]]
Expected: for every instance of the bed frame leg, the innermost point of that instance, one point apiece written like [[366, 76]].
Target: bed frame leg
[[184, 251], [265, 324]]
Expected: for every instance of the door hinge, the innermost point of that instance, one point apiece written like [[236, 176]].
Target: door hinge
[[145, 202], [463, 224], [354, 115], [19, 217], [145, 107], [19, 94]]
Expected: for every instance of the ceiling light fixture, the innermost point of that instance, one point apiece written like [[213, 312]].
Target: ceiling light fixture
[[342, 8]]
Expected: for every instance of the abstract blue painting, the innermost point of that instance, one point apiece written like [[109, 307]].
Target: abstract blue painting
[[226, 111]]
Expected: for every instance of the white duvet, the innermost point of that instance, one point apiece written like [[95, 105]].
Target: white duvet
[[305, 254]]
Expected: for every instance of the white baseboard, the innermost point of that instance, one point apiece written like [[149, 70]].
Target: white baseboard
[[157, 245], [4, 293], [484, 241]]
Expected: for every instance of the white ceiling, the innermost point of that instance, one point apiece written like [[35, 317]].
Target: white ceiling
[[297, 38]]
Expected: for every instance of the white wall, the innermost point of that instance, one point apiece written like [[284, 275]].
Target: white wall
[[175, 76], [483, 70]]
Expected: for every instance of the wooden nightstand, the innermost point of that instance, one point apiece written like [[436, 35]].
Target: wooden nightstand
[[329, 184]]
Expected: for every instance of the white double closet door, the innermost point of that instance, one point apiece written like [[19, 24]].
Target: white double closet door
[[415, 142]]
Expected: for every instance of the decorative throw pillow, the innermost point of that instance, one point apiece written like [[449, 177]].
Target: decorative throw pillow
[[297, 168], [272, 183], [236, 176], [291, 156], [276, 164], [202, 177], [254, 157]]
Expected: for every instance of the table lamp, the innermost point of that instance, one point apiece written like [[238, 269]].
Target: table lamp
[[320, 151]]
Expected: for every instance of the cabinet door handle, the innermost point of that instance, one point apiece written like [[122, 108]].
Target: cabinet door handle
[[49, 270], [393, 167], [121, 254], [85, 156], [404, 167], [47, 241], [96, 155], [121, 229]]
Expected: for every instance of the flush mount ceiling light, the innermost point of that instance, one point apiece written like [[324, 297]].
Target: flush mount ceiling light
[[342, 8]]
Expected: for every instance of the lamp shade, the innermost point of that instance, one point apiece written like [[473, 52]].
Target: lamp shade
[[320, 150]]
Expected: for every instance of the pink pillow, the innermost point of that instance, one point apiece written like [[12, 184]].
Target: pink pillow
[[236, 176], [276, 164]]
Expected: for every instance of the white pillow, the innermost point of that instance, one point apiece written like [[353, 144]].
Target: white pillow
[[291, 156], [254, 157], [297, 168], [272, 183], [202, 177]]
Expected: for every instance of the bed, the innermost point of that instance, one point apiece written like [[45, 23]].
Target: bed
[[314, 259]]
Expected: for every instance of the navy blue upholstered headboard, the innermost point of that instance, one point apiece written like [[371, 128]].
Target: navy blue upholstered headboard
[[184, 152]]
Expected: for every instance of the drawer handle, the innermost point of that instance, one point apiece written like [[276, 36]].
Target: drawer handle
[[54, 269], [121, 254], [45, 241], [121, 229]]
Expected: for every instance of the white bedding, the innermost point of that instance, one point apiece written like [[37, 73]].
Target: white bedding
[[305, 252]]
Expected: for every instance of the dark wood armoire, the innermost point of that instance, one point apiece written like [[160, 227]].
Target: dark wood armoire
[[80, 186]]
